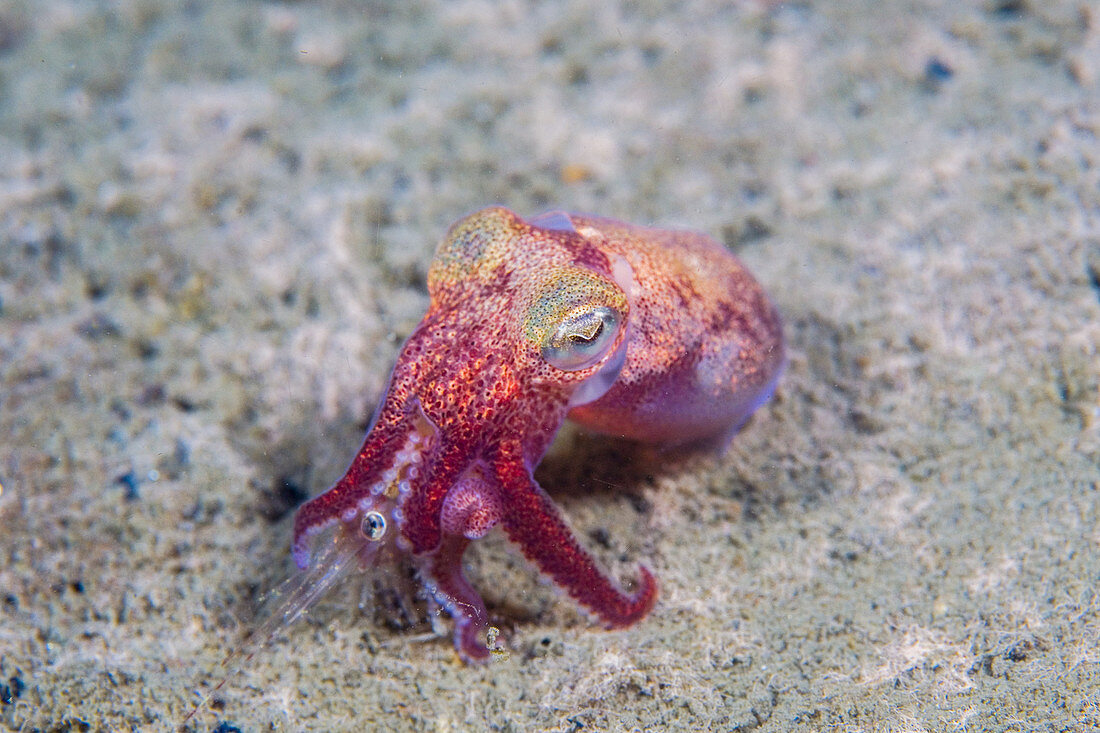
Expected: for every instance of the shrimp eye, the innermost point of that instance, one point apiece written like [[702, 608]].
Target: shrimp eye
[[582, 338], [374, 526]]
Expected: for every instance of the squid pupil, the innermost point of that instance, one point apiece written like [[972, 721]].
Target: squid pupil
[[588, 338]]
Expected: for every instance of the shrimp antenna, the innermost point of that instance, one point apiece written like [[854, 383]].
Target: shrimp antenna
[[331, 562]]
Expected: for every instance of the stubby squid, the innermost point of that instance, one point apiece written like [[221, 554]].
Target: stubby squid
[[648, 334]]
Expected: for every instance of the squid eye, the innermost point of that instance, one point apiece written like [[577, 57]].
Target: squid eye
[[582, 339]]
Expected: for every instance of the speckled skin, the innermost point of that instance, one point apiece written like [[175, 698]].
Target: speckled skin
[[475, 398]]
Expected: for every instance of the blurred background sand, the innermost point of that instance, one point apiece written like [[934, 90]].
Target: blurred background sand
[[215, 224]]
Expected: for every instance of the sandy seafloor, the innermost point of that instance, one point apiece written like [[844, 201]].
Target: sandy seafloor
[[215, 224]]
